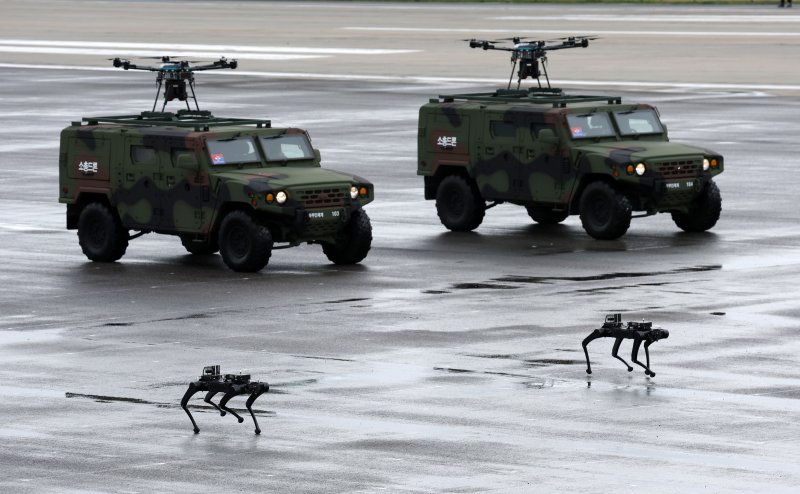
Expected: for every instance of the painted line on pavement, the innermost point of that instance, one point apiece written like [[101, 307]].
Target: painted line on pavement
[[227, 49], [741, 34], [713, 86]]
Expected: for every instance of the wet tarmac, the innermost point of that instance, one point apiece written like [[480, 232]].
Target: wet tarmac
[[445, 362]]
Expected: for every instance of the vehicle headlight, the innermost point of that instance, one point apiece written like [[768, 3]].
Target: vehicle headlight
[[640, 169], [706, 164], [353, 192], [280, 197]]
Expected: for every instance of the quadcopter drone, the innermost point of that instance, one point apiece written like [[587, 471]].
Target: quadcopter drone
[[528, 54], [172, 76]]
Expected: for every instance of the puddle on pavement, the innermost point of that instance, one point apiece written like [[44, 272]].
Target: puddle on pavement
[[480, 286], [551, 361], [137, 401], [320, 357], [345, 300], [603, 277]]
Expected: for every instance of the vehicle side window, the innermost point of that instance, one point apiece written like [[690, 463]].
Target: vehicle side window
[[536, 127], [502, 129], [236, 150], [287, 147], [143, 155], [590, 125], [177, 152], [635, 122]]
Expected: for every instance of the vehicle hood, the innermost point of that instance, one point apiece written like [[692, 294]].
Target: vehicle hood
[[633, 151], [265, 179]]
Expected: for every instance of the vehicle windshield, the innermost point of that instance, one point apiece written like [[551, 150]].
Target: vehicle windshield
[[590, 125], [287, 147], [637, 122], [236, 150]]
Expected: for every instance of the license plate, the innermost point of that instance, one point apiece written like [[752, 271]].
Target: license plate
[[324, 215], [680, 185]]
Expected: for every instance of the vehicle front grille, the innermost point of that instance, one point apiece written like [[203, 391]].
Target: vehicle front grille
[[677, 198], [322, 198], [679, 169], [322, 229]]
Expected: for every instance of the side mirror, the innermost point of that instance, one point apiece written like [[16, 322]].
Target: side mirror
[[547, 136], [664, 128], [317, 156], [187, 161]]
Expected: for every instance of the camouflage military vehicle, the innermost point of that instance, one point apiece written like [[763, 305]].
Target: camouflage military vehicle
[[234, 185], [559, 155]]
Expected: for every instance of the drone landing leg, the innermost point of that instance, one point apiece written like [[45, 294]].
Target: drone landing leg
[[223, 404], [158, 91], [615, 350], [249, 405], [189, 393], [511, 77], [194, 96], [207, 399], [593, 336]]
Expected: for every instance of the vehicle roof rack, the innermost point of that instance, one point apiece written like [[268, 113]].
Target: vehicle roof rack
[[553, 96], [198, 120]]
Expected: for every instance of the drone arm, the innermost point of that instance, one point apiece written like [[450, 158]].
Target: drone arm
[[222, 63], [193, 388]]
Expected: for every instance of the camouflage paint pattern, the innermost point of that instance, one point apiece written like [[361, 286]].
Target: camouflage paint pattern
[[135, 170], [495, 139]]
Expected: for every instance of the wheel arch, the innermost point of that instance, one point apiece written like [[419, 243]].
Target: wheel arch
[[589, 178], [74, 210], [432, 182]]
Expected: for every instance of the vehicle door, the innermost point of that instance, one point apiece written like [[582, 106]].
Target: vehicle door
[[187, 202], [499, 169], [545, 171], [139, 196]]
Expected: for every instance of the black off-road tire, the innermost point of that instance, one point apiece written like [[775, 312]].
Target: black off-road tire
[[605, 211], [703, 213], [245, 243], [353, 242], [459, 204], [100, 233], [545, 216], [205, 247]]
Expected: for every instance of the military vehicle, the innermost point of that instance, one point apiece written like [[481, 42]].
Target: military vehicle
[[559, 155], [238, 186]]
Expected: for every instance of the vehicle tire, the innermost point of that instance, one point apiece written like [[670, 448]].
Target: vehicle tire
[[100, 233], [704, 211], [605, 211], [544, 215], [205, 247], [459, 204], [245, 244], [354, 241]]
